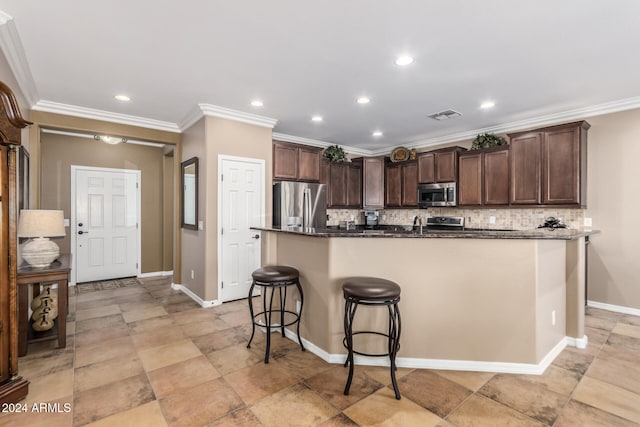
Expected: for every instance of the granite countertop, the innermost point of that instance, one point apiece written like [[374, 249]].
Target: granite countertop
[[407, 232]]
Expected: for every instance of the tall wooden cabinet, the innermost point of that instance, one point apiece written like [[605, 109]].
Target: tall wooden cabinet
[[344, 183], [12, 387]]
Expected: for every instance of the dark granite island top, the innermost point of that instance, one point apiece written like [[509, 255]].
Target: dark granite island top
[[404, 232]]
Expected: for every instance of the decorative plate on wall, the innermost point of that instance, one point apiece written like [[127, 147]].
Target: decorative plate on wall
[[400, 154]]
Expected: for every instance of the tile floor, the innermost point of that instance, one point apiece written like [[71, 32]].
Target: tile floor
[[149, 356]]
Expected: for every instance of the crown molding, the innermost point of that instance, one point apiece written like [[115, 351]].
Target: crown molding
[[520, 125], [229, 114], [90, 113], [14, 52], [318, 143]]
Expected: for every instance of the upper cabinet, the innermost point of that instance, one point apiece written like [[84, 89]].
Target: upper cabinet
[[438, 166], [344, 183], [373, 182], [401, 181], [296, 162], [548, 166], [483, 178]]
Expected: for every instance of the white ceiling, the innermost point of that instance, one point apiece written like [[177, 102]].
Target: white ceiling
[[540, 61]]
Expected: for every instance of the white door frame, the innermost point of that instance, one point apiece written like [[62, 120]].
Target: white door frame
[[74, 224], [259, 162]]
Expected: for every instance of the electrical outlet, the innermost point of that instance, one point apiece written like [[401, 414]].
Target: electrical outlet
[[193, 275], [492, 219], [588, 222], [553, 318], [298, 305]]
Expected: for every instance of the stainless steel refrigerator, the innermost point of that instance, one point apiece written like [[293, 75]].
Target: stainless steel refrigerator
[[299, 205]]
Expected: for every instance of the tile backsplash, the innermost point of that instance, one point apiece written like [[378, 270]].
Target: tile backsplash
[[517, 218]]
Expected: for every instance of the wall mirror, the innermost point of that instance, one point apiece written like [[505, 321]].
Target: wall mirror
[[190, 193]]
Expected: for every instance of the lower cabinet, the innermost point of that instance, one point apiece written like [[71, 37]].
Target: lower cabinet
[[483, 177]]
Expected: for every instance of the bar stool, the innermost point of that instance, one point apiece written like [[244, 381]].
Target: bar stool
[[374, 292], [274, 277]]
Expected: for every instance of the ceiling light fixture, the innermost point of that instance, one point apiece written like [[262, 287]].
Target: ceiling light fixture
[[377, 133], [363, 100], [487, 104], [257, 103], [445, 115], [404, 60], [316, 118], [123, 98]]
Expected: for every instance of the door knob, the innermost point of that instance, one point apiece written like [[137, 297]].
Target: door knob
[[83, 232], [257, 236]]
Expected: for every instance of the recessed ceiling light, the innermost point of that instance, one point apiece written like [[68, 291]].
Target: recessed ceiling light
[[316, 118], [363, 100], [377, 133], [487, 104], [404, 60], [257, 103], [123, 98]]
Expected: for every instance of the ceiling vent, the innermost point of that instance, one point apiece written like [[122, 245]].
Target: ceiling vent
[[444, 115]]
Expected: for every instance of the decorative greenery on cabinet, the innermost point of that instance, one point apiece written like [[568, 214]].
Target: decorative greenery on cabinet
[[487, 140]]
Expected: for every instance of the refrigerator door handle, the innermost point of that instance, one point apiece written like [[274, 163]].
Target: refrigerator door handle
[[306, 207]]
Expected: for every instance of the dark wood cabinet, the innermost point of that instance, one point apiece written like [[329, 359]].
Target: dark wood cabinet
[[12, 386], [393, 185], [526, 165], [496, 177], [548, 165], [344, 183], [296, 162], [401, 184], [483, 178], [373, 182], [470, 179], [439, 165]]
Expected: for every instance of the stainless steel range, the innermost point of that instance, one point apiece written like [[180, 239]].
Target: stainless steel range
[[445, 223]]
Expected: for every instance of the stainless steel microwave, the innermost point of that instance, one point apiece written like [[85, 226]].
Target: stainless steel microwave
[[440, 194]]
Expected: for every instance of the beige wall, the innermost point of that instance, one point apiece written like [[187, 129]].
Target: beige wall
[[613, 201], [194, 254], [220, 137], [59, 152]]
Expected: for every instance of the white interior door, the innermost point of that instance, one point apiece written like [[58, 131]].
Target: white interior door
[[241, 206], [106, 223]]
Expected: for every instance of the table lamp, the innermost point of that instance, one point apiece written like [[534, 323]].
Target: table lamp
[[40, 225]]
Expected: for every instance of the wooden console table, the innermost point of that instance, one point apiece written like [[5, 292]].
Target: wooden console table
[[57, 272]]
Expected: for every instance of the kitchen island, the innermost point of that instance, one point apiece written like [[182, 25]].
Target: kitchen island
[[503, 301]]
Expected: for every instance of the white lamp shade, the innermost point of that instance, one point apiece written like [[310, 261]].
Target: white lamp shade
[[41, 223]]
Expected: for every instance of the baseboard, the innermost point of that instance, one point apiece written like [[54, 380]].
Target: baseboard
[[196, 298], [578, 342], [155, 273], [455, 365], [616, 308]]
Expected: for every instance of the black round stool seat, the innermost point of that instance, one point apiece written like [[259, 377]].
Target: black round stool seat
[[372, 291], [275, 274], [371, 288], [275, 277]]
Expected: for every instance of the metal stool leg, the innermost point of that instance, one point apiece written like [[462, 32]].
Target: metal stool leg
[[349, 335], [394, 339], [253, 322], [299, 313], [267, 317], [283, 303]]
